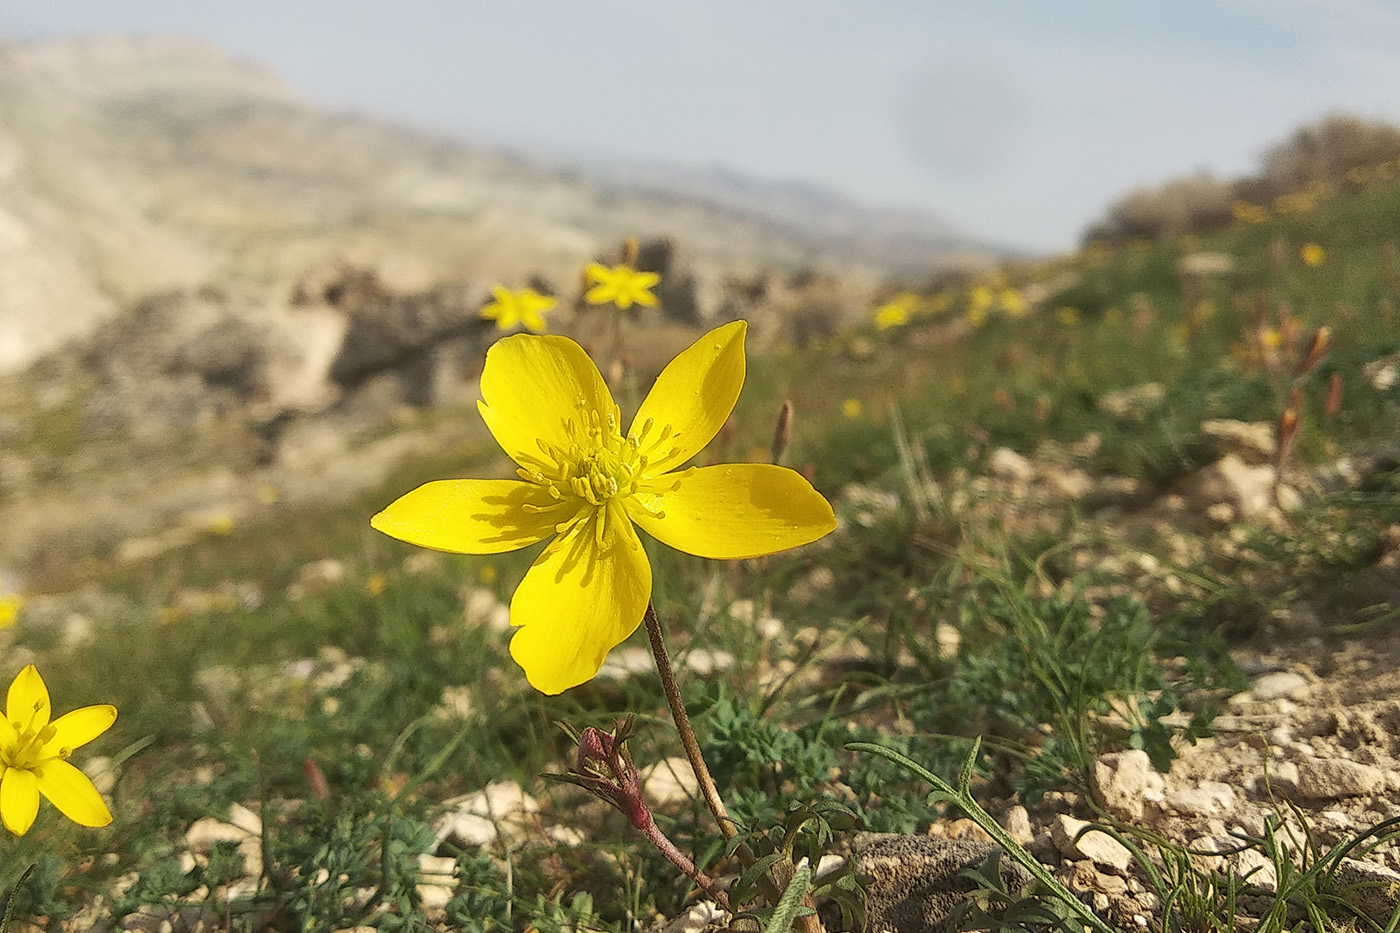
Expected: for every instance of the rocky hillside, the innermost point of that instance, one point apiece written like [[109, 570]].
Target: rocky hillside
[[131, 166]]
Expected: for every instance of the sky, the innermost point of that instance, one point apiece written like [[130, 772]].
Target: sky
[[1018, 120]]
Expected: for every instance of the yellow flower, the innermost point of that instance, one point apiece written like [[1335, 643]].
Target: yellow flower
[[375, 584], [895, 312], [1067, 315], [525, 307], [1313, 254], [584, 483], [852, 408], [34, 757], [10, 605], [622, 285], [1012, 302]]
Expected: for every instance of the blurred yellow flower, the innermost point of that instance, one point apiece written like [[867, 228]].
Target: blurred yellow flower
[[585, 484], [1313, 254], [621, 285], [896, 312], [1270, 337], [487, 574], [375, 584], [1012, 302], [221, 524], [10, 605], [268, 494], [852, 408], [525, 307], [1067, 316], [34, 757]]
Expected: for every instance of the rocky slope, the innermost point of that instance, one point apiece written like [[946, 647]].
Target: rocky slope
[[129, 166]]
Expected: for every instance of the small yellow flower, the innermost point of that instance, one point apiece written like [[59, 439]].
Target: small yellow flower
[[979, 303], [34, 757], [221, 524], [1012, 302], [1313, 255], [896, 311], [10, 605], [621, 285], [1067, 316], [375, 584], [525, 307], [852, 408], [585, 484], [1270, 338]]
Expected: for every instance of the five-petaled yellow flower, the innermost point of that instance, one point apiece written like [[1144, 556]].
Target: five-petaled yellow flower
[[622, 285], [585, 483], [34, 756], [525, 307]]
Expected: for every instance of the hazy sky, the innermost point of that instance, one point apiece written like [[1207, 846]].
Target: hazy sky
[[1018, 120]]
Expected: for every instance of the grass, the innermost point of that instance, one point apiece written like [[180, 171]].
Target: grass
[[321, 706]]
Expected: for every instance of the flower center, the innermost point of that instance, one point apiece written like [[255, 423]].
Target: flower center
[[28, 752], [601, 475], [600, 468]]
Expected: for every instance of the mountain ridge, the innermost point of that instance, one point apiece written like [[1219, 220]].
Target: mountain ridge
[[130, 165]]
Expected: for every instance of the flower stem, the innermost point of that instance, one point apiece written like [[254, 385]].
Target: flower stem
[[780, 875], [678, 858], [682, 720]]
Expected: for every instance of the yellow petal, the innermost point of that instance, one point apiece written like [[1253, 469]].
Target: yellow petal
[[733, 511], [471, 516], [579, 601], [81, 726], [693, 395], [28, 700], [70, 790], [531, 386], [19, 800]]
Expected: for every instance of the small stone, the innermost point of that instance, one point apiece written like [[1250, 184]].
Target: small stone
[[1008, 464], [1280, 684], [204, 833], [316, 577], [622, 663], [1207, 799], [437, 869], [480, 607], [670, 780], [915, 882], [1017, 823], [245, 819], [1256, 868], [1330, 778], [1252, 441], [1369, 888], [1121, 780], [1097, 847], [101, 772], [434, 897], [1072, 484], [456, 703], [708, 661], [500, 811]]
